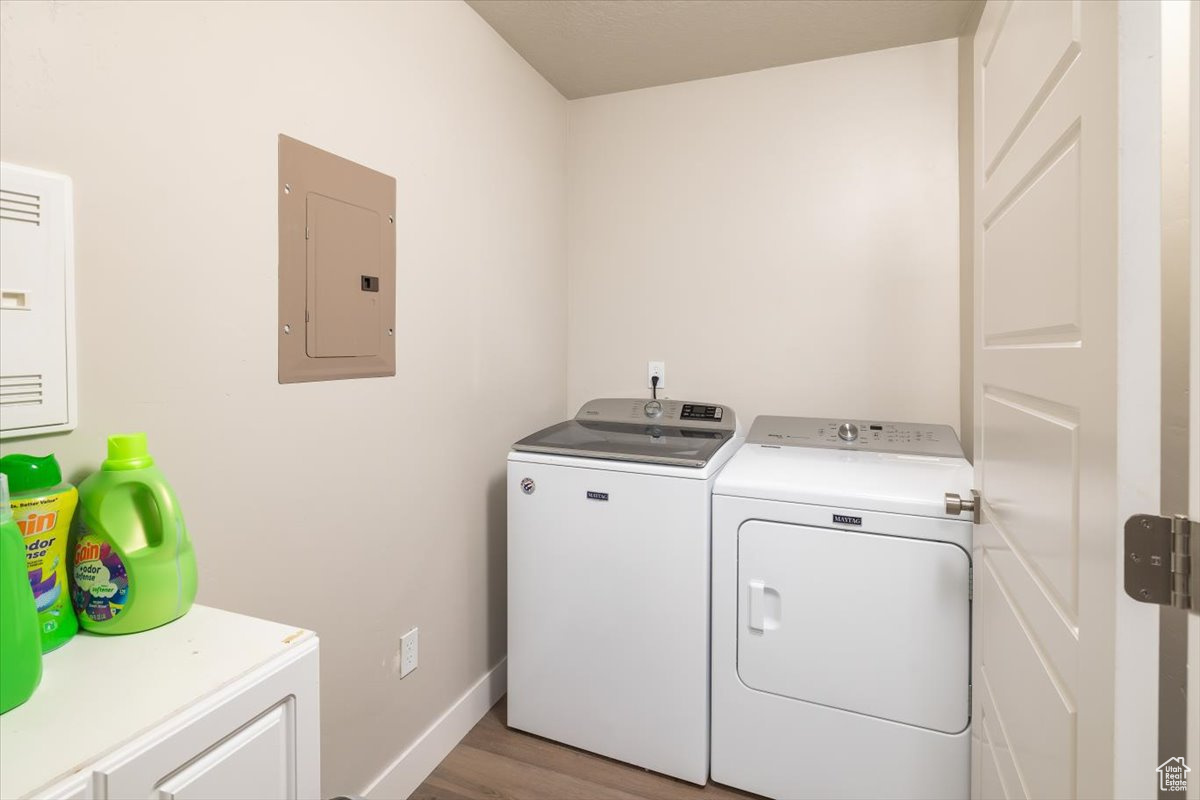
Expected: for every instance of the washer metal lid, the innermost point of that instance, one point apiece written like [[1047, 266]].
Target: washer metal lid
[[669, 432], [650, 444]]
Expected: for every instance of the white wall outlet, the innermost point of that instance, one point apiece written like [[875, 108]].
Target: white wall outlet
[[408, 652], [658, 368]]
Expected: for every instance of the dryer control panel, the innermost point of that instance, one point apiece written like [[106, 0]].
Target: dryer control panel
[[854, 434]]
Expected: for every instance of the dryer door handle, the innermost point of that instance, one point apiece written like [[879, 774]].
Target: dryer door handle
[[757, 603], [955, 505]]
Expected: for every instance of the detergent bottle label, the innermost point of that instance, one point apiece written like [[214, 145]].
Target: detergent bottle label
[[44, 522], [101, 582]]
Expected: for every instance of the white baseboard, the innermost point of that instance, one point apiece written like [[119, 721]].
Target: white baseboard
[[406, 773]]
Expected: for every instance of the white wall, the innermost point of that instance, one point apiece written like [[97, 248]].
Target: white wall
[[786, 240], [356, 508]]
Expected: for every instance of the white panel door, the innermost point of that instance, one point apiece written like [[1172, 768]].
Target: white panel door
[[1193, 689], [1045, 393]]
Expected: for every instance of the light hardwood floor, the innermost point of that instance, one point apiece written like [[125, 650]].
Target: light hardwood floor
[[495, 763]]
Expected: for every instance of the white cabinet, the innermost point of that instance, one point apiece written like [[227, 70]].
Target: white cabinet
[[215, 705], [78, 788]]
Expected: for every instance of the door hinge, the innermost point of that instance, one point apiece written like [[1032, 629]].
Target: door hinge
[[970, 697], [1161, 554], [306, 233]]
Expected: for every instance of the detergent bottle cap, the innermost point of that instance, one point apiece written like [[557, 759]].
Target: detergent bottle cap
[[26, 473], [127, 451], [5, 508]]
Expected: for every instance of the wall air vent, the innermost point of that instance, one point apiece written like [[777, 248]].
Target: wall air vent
[[20, 390], [20, 206]]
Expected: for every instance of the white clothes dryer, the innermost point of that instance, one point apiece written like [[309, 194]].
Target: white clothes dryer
[[841, 612]]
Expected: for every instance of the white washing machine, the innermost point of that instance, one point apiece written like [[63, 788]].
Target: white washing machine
[[841, 612], [608, 580]]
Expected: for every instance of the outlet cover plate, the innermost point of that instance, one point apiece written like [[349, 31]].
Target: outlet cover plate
[[408, 652], [658, 368]]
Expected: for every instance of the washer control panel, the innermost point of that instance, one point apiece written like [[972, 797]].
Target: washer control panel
[[699, 411], [844, 434], [660, 412]]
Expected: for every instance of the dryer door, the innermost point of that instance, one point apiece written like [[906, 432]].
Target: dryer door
[[869, 623]]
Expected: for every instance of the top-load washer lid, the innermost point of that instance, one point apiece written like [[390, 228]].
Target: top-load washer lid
[[672, 432]]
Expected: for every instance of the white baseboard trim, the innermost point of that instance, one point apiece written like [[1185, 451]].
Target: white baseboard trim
[[406, 773]]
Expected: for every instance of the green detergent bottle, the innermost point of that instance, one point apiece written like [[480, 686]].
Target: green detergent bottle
[[43, 505], [20, 640], [133, 565]]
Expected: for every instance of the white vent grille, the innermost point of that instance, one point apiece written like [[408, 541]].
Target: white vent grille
[[20, 207], [20, 390]]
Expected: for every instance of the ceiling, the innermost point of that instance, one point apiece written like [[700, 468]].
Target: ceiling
[[590, 47]]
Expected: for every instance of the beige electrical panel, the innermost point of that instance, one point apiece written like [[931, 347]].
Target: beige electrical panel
[[337, 267]]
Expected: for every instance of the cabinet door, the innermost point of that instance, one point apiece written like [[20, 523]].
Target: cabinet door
[[256, 738], [78, 787], [253, 764]]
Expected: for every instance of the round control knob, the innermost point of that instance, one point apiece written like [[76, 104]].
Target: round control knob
[[653, 409], [847, 431]]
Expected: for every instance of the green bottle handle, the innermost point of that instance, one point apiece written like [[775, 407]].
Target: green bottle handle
[[168, 516], [168, 521]]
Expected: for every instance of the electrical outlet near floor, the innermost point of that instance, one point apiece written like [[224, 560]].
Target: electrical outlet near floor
[[658, 368], [408, 652]]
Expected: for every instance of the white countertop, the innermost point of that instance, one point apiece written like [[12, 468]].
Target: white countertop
[[99, 692]]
